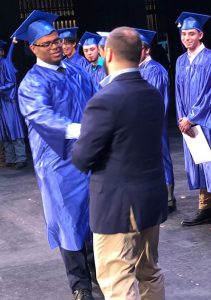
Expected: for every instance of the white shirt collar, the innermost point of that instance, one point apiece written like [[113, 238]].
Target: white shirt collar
[[192, 55], [108, 79], [148, 58], [41, 63]]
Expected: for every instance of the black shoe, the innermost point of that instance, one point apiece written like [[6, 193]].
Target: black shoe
[[201, 217], [82, 294], [10, 165], [20, 165], [172, 206], [2, 164]]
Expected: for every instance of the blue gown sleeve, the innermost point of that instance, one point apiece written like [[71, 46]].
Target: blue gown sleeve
[[88, 85], [179, 106], [159, 79], [96, 130], [201, 111], [83, 62], [7, 80], [9, 58], [35, 104]]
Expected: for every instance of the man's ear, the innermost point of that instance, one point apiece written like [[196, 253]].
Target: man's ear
[[33, 49], [201, 34], [108, 54], [148, 51]]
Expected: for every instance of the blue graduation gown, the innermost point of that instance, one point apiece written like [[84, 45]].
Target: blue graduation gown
[[193, 100], [78, 60], [9, 58], [49, 101], [97, 73], [156, 75], [11, 125], [79, 70]]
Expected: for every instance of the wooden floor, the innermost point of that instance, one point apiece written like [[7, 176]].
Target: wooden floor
[[29, 270]]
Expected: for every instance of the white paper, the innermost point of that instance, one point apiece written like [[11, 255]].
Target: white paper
[[198, 146]]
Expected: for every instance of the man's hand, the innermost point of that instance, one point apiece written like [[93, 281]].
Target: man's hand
[[73, 131], [184, 125], [190, 132]]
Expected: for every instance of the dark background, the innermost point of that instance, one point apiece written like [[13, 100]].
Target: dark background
[[102, 15]]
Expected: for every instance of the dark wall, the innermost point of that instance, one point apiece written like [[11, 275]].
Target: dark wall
[[9, 18], [104, 15], [172, 11], [175, 8], [9, 22]]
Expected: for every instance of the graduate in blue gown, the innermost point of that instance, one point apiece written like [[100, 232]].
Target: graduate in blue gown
[[156, 74], [2, 44], [193, 101], [89, 41], [72, 55], [2, 159], [11, 123], [102, 42], [52, 97]]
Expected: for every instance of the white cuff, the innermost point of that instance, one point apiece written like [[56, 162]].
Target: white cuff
[[73, 131]]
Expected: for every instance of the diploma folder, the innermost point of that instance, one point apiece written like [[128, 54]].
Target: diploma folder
[[198, 146]]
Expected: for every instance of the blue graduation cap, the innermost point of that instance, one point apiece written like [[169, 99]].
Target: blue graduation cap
[[68, 32], [103, 39], [146, 36], [89, 38], [37, 25], [188, 20], [2, 43]]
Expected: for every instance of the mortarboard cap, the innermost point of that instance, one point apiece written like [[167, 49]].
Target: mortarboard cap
[[89, 38], [103, 39], [68, 32], [146, 36], [2, 43], [37, 25], [188, 20]]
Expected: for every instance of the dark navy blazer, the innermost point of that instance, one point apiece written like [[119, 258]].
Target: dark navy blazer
[[120, 143]]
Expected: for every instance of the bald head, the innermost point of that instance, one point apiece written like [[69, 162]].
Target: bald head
[[126, 44]]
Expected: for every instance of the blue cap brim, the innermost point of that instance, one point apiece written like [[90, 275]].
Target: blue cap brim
[[146, 36], [31, 31], [102, 42], [89, 38], [68, 32], [104, 35], [189, 20]]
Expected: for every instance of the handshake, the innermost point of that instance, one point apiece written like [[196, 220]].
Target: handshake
[[73, 131]]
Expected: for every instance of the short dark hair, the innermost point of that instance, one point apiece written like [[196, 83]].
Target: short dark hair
[[125, 43], [70, 40]]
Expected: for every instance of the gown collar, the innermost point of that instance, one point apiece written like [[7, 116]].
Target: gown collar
[[148, 58], [192, 55], [41, 63], [108, 79]]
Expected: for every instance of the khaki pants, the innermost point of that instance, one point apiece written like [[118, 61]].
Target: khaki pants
[[204, 199], [126, 265]]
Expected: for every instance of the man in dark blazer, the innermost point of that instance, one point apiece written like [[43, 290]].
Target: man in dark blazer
[[120, 143]]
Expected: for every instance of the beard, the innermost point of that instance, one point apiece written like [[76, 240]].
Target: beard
[[105, 67]]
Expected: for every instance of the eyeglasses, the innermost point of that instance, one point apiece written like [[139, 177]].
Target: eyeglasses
[[49, 44]]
